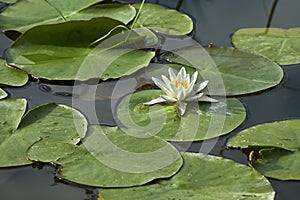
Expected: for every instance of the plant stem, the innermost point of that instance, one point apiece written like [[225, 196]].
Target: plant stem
[[271, 15], [137, 15], [179, 4]]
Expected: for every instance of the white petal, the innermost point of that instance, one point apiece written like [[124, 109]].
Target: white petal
[[194, 77], [161, 85], [168, 84], [181, 107], [172, 74], [187, 78], [180, 93], [158, 82], [181, 74], [200, 86], [208, 99], [195, 98], [155, 101], [189, 91], [168, 98], [174, 89]]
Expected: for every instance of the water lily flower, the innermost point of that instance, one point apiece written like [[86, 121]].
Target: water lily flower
[[180, 89]]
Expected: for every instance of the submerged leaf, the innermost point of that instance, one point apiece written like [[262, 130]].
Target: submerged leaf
[[280, 45], [201, 177], [24, 15], [110, 157], [67, 54], [201, 121], [278, 145], [11, 76], [50, 122], [229, 71], [163, 20]]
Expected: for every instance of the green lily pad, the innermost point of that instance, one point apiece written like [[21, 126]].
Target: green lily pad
[[280, 134], [163, 20], [2, 94], [50, 122], [277, 144], [280, 45], [201, 121], [238, 71], [66, 52], [109, 157], [9, 1], [279, 164], [24, 15], [201, 177], [12, 76]]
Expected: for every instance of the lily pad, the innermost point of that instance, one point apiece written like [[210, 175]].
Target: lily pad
[[201, 121], [24, 15], [280, 134], [12, 76], [238, 71], [201, 177], [9, 1], [66, 53], [279, 164], [163, 20], [109, 157], [280, 45], [2, 94], [49, 122], [277, 144]]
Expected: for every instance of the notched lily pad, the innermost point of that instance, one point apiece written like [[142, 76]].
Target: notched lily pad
[[110, 157], [238, 72], [277, 144], [163, 20], [67, 53], [279, 163], [201, 121], [201, 177], [280, 45], [11, 76], [49, 122], [24, 15]]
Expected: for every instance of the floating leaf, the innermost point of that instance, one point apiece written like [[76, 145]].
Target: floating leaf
[[279, 164], [238, 71], [201, 121], [278, 144], [280, 134], [280, 45], [11, 76], [24, 15], [49, 122], [163, 20], [9, 1], [2, 94], [63, 51], [201, 177], [109, 157]]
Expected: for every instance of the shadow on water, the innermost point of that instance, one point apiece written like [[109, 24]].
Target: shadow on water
[[215, 21]]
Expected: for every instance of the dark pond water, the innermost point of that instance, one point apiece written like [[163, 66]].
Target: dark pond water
[[215, 21]]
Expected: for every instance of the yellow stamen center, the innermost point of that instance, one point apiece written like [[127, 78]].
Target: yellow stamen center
[[180, 82]]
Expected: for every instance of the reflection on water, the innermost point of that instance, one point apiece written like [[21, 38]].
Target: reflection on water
[[28, 183], [215, 21]]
